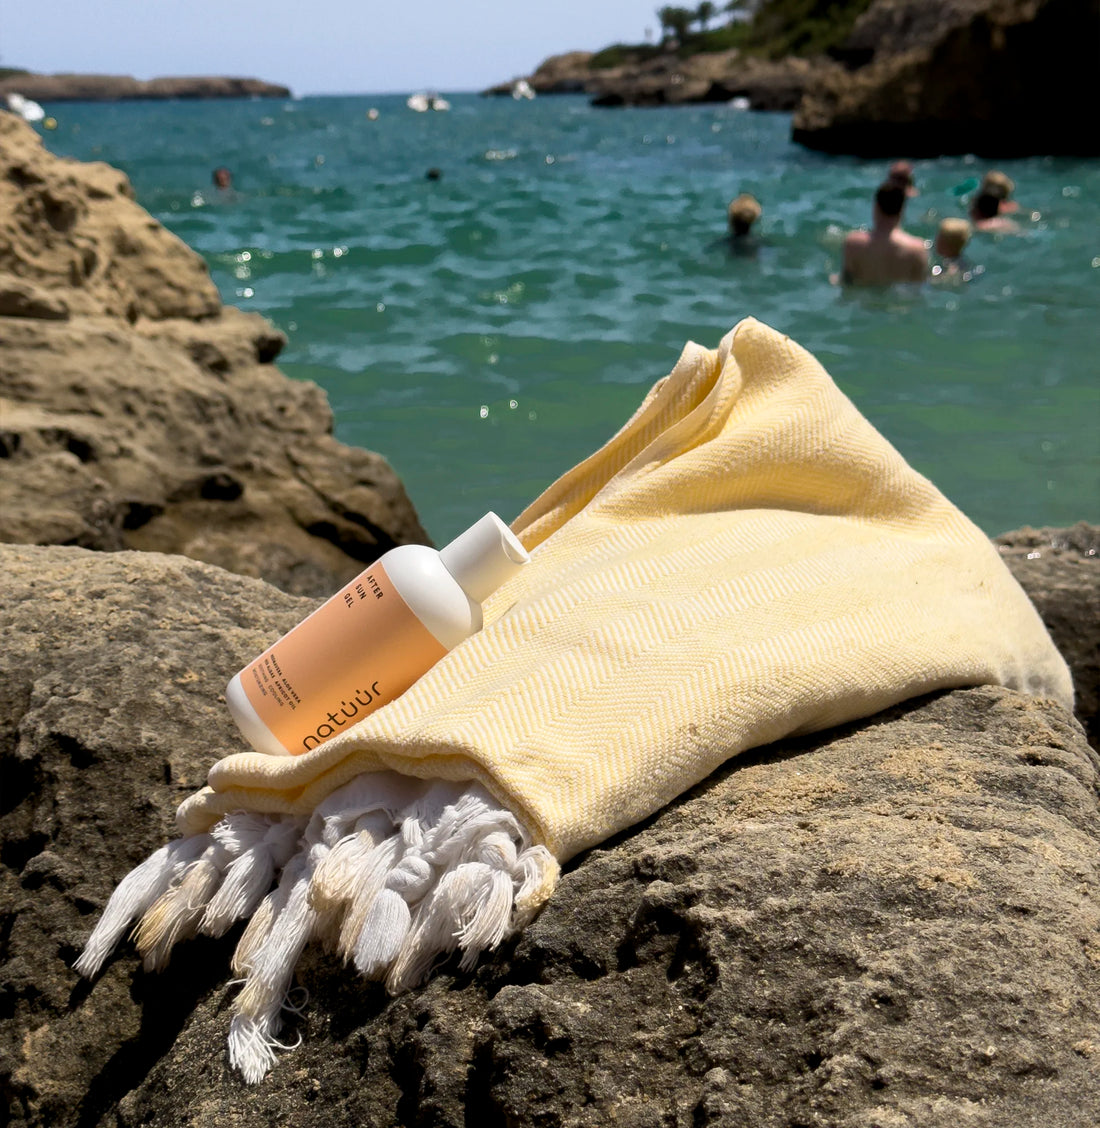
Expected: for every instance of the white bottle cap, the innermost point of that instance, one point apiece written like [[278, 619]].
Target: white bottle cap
[[483, 557]]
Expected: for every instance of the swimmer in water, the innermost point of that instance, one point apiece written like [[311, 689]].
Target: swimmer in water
[[985, 214], [886, 254], [741, 214], [951, 238], [901, 173], [996, 183]]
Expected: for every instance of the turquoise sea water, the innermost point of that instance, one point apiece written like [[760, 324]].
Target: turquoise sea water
[[487, 330]]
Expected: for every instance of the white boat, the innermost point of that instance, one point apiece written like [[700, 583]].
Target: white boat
[[521, 89], [27, 109], [421, 103]]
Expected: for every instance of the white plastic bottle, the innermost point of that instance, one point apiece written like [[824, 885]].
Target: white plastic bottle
[[373, 639]]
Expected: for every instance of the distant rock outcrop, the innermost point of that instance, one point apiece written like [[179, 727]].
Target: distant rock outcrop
[[666, 79], [138, 412], [561, 74], [121, 88], [1000, 78], [894, 923], [1004, 78], [763, 84]]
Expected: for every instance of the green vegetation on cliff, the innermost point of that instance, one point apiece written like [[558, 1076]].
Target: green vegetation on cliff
[[772, 29], [803, 27]]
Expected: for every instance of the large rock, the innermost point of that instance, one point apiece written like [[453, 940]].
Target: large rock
[[562, 74], [110, 711], [891, 924], [73, 229], [138, 412], [1060, 571], [1000, 78], [118, 88]]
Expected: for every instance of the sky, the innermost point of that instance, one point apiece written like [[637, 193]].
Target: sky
[[316, 46]]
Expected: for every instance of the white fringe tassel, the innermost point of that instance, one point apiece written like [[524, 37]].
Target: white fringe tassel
[[392, 872]]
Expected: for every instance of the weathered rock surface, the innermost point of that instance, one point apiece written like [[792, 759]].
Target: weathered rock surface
[[74, 230], [138, 412], [1059, 570], [121, 88], [110, 684], [998, 78], [894, 923]]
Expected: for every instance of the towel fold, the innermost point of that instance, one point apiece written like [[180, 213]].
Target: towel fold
[[745, 560]]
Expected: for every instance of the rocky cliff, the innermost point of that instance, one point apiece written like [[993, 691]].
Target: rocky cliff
[[121, 88], [891, 924], [136, 411], [1000, 78]]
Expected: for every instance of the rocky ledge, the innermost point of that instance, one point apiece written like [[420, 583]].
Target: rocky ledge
[[122, 88], [668, 80], [894, 923], [136, 411]]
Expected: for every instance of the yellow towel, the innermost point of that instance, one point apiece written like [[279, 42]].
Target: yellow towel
[[746, 559]]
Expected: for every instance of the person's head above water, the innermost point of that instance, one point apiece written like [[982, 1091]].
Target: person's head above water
[[996, 183], [222, 177], [742, 213], [890, 199], [985, 205], [901, 173], [953, 234]]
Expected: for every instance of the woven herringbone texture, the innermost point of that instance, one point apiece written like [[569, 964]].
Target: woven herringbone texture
[[746, 559]]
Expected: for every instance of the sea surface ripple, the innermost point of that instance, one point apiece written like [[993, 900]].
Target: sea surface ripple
[[486, 330]]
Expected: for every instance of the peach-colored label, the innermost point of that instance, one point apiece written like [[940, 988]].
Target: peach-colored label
[[358, 650]]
